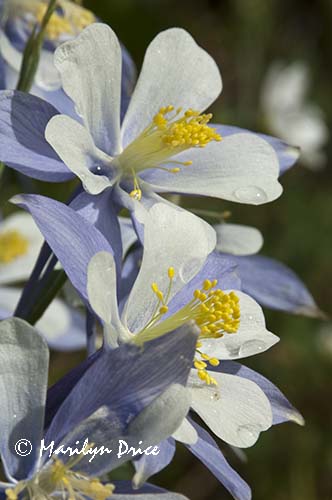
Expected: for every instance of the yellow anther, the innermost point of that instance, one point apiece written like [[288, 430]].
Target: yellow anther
[[10, 494], [207, 285], [203, 375], [200, 365], [136, 194], [154, 287], [163, 310], [214, 361], [197, 294], [175, 170], [12, 246], [171, 273], [187, 163]]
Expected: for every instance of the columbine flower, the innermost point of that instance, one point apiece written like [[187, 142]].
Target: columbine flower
[[172, 289], [140, 385], [68, 20], [289, 115], [20, 242], [268, 281], [165, 143]]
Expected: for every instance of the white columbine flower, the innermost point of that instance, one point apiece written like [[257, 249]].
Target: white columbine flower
[[20, 243], [165, 142], [164, 298], [290, 116]]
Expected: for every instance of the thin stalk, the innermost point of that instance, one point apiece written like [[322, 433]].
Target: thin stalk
[[31, 55], [51, 289]]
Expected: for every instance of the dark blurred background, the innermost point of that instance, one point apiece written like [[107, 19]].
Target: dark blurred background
[[245, 37]]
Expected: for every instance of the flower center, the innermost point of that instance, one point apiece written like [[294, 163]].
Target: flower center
[[171, 132], [59, 479], [71, 21], [12, 245], [213, 311]]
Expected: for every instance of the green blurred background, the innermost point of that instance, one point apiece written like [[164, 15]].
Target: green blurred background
[[244, 37]]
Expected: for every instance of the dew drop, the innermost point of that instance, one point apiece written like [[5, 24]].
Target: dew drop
[[233, 350], [251, 347], [248, 433], [251, 194]]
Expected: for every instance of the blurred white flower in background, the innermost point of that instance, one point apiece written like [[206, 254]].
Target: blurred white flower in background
[[290, 116], [20, 242], [324, 339]]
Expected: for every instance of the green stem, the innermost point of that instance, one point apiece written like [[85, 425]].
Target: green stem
[[32, 50], [46, 296], [2, 169]]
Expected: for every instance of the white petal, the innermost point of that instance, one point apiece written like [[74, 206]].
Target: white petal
[[186, 433], [242, 167], [21, 268], [175, 71], [251, 338], [237, 239], [172, 238], [90, 68], [101, 289], [73, 143], [236, 410]]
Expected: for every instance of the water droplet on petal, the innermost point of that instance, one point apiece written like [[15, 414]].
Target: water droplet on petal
[[252, 347], [251, 194], [233, 350], [249, 433]]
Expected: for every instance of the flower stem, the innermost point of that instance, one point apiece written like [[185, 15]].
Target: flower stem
[[53, 285], [32, 50]]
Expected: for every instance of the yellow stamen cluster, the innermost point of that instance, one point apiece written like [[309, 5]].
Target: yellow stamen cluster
[[73, 20], [57, 24], [59, 481], [76, 484], [12, 245], [166, 136], [191, 130], [217, 312], [213, 311]]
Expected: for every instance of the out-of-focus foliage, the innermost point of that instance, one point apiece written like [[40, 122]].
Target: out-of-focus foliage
[[245, 37]]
